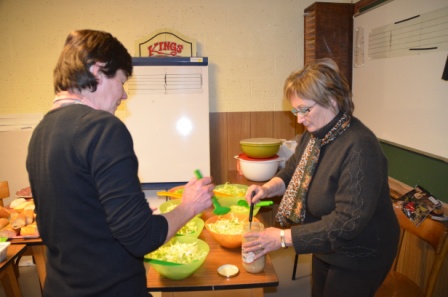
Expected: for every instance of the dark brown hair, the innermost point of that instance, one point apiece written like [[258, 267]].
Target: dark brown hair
[[84, 48]]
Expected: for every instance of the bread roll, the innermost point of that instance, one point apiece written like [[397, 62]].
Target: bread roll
[[3, 222], [22, 206], [29, 230], [17, 202], [19, 221], [8, 231], [29, 216], [4, 213]]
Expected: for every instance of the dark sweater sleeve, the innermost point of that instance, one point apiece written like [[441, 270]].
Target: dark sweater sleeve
[[351, 181], [114, 166]]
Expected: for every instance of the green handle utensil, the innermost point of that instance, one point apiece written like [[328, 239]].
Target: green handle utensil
[[219, 210], [261, 203], [161, 262]]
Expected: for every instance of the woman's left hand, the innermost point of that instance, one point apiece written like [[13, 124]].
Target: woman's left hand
[[265, 241]]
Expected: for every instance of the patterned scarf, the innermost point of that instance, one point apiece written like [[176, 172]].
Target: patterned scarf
[[293, 205]]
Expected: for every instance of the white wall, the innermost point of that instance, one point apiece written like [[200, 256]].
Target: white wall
[[252, 45], [13, 151]]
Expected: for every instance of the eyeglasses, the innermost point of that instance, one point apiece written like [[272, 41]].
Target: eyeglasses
[[302, 111]]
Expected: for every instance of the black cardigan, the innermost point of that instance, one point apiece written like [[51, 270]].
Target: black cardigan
[[91, 212], [349, 220]]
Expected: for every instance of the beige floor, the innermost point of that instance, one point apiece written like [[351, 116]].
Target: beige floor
[[283, 262]]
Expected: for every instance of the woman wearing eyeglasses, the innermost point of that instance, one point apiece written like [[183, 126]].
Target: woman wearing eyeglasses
[[336, 202]]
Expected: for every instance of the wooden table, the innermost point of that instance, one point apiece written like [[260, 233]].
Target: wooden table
[[7, 272], [35, 248], [207, 282]]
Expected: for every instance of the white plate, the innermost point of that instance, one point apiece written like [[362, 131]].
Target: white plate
[[23, 196]]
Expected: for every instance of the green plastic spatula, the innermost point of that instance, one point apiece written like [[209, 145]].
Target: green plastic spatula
[[261, 203], [161, 262], [219, 210]]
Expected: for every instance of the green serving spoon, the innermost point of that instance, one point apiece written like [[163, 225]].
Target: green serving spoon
[[161, 262], [219, 210], [261, 203]]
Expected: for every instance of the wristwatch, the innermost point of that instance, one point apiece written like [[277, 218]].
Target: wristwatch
[[282, 239]]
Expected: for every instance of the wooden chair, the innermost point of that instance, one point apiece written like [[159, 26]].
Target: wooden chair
[[4, 191], [432, 237]]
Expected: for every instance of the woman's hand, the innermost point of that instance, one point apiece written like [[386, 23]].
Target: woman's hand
[[197, 194], [260, 193], [263, 242], [274, 187]]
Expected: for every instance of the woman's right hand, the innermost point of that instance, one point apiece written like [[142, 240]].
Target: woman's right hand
[[274, 187], [260, 193], [197, 194]]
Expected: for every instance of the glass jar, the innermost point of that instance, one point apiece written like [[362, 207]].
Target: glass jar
[[249, 264]]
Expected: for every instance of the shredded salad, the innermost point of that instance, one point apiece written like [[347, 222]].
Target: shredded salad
[[232, 226], [178, 252], [188, 228], [232, 190]]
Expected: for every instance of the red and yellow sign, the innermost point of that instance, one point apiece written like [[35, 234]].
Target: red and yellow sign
[[165, 43]]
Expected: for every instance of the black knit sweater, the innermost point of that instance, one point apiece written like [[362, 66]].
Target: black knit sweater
[[349, 220], [91, 212]]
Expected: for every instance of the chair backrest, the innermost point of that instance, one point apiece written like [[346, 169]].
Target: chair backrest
[[435, 234], [4, 191]]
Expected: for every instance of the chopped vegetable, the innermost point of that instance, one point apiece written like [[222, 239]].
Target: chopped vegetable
[[189, 228], [232, 190], [182, 253], [179, 191], [232, 226], [171, 207], [239, 209]]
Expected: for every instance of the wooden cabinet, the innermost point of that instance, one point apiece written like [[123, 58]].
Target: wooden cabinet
[[329, 34]]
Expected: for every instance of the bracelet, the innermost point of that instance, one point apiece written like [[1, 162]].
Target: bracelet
[[282, 239]]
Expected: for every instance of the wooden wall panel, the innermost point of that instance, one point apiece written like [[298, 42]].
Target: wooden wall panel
[[261, 124], [239, 124], [218, 145], [286, 126], [227, 129]]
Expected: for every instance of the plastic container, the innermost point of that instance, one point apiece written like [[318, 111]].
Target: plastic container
[[258, 170], [248, 262], [3, 250], [260, 147]]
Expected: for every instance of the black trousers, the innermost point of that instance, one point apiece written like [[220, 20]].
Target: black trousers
[[331, 281]]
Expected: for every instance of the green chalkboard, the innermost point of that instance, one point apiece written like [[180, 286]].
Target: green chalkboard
[[413, 169]]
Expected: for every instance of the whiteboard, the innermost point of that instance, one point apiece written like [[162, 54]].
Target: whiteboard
[[399, 93]]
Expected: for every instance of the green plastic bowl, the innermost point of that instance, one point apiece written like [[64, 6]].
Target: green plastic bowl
[[198, 223], [230, 241], [238, 192], [178, 272], [260, 148], [170, 205]]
